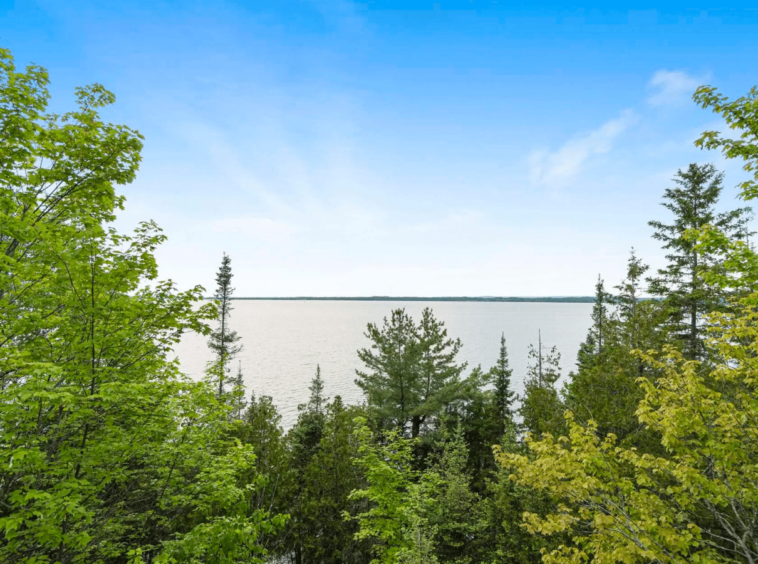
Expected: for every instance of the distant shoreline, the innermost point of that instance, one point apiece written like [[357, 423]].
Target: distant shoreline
[[556, 299]]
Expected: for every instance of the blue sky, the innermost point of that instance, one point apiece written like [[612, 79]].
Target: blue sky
[[398, 148]]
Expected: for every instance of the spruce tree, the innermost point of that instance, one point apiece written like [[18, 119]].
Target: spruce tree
[[317, 399], [682, 283], [223, 341], [503, 396]]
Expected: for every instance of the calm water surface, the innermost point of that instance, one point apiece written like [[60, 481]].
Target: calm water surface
[[284, 340]]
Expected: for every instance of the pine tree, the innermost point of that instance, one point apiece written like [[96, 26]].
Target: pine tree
[[412, 370], [682, 283], [223, 341], [503, 396]]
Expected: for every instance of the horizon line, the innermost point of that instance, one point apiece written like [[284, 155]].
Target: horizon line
[[565, 299]]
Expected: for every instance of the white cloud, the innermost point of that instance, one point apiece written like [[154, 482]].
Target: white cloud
[[672, 88], [557, 168]]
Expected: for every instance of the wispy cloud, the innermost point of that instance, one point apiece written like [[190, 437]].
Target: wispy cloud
[[258, 228], [672, 88], [558, 167]]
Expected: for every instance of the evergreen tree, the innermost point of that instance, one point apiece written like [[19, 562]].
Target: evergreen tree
[[223, 341], [604, 387], [597, 336], [682, 283], [317, 400], [628, 300], [323, 535], [541, 408], [503, 395], [412, 370], [261, 429], [439, 375], [238, 394], [304, 442]]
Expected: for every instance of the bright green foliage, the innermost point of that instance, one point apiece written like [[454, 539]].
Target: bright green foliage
[[223, 341], [389, 523], [697, 502], [741, 115], [697, 499], [108, 453], [541, 407], [412, 373], [687, 294], [505, 539]]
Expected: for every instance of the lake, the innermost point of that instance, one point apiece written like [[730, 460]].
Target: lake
[[284, 340]]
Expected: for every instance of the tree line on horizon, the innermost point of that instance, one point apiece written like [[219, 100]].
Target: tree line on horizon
[[648, 452]]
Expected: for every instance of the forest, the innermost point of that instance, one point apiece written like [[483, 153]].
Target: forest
[[645, 452]]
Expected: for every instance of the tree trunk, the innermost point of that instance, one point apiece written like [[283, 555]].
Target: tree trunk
[[416, 426]]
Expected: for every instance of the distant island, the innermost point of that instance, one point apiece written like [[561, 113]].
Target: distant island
[[553, 299]]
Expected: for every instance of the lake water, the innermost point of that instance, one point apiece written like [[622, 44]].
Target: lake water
[[284, 340]]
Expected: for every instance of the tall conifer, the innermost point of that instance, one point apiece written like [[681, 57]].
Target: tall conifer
[[682, 283], [223, 341], [503, 396]]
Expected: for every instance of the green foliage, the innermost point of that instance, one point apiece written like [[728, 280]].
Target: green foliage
[[682, 283], [503, 396], [604, 388], [329, 479], [223, 341], [394, 521], [740, 115], [541, 407], [412, 373], [108, 453]]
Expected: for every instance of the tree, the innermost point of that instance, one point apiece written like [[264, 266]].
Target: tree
[[223, 341], [317, 399], [541, 407], [594, 345], [457, 516], [682, 282], [396, 520], [604, 387], [304, 441], [503, 396], [261, 428], [412, 370], [628, 300], [330, 477], [109, 454], [238, 394], [740, 115]]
